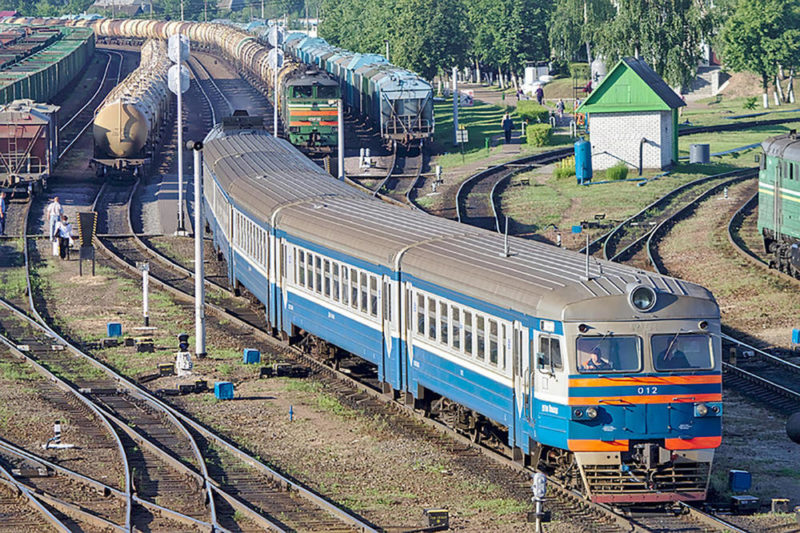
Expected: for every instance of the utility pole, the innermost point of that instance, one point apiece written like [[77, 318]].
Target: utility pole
[[262, 9], [181, 10], [199, 267], [386, 41], [205, 10], [455, 106]]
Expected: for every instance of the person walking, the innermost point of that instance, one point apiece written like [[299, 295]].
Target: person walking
[[64, 234], [54, 212], [507, 125], [539, 95], [560, 108], [3, 210]]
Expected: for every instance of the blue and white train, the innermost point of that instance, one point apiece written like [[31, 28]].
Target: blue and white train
[[611, 381]]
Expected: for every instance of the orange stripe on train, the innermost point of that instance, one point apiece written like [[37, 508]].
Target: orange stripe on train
[[644, 399], [309, 123], [696, 443], [312, 112], [592, 445], [645, 381]]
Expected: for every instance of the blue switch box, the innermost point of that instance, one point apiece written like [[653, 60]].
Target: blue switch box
[[739, 480], [251, 356], [796, 336], [114, 329], [223, 390]]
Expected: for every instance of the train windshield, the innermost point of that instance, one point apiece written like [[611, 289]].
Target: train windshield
[[609, 354], [303, 91], [682, 352], [324, 91]]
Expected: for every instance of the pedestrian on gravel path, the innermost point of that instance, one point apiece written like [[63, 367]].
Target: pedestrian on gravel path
[[539, 95], [64, 233], [508, 125], [3, 210], [53, 213], [560, 108]]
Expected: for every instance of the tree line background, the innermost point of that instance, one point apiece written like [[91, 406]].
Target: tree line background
[[432, 36]]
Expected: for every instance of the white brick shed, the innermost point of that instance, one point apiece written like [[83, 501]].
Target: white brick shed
[[632, 112]]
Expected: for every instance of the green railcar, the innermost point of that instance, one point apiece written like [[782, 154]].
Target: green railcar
[[309, 107], [779, 202], [44, 67]]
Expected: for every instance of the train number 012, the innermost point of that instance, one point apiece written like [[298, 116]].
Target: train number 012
[[647, 390]]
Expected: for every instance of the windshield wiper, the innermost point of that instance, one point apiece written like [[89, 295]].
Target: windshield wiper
[[669, 348]]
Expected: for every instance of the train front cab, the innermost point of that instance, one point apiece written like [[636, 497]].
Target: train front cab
[[638, 404]]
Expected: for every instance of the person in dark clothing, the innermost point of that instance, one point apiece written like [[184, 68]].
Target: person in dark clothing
[[539, 95], [508, 125], [64, 234], [3, 210]]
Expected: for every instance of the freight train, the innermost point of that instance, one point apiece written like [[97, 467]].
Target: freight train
[[396, 102], [315, 133], [609, 379], [128, 125], [778, 201]]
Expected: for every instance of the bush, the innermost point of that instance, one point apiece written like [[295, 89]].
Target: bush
[[533, 112], [581, 71], [565, 168], [559, 67], [617, 172], [539, 134], [750, 103]]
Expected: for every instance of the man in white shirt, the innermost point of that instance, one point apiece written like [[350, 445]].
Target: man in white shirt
[[53, 214]]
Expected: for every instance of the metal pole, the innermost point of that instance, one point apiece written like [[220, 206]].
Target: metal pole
[[181, 227], [340, 160], [587, 254], [538, 516], [455, 105], [199, 267], [275, 100], [145, 293], [181, 10], [386, 41]]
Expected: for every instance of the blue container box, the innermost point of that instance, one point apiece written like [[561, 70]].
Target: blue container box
[[223, 390], [114, 329], [796, 336], [739, 480], [251, 356]]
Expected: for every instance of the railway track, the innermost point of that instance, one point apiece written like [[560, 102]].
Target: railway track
[[241, 478], [79, 123], [397, 186], [476, 200]]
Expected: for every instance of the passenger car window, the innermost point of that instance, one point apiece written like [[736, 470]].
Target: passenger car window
[[549, 353], [609, 354], [373, 296], [420, 314], [681, 352], [456, 327], [432, 319], [443, 325], [468, 332]]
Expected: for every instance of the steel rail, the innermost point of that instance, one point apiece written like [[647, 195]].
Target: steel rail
[[213, 84], [32, 501], [99, 88]]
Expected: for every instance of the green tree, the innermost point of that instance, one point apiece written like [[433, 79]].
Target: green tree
[[665, 33], [574, 25], [759, 36]]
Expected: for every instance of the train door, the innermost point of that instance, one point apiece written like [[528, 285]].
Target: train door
[[550, 382], [521, 371], [390, 359], [777, 215]]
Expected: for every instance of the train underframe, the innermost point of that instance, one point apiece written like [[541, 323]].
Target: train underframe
[[23, 185], [646, 474], [120, 168], [784, 252]]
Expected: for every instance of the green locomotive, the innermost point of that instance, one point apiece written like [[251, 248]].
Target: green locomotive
[[309, 107], [779, 202]]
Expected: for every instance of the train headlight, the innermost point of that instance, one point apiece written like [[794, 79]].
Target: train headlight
[[591, 412], [701, 409], [577, 413], [641, 298]]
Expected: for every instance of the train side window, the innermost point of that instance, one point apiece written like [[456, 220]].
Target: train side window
[[420, 314], [373, 296], [364, 300], [327, 278], [432, 319], [493, 348], [505, 343], [387, 301], [345, 286], [468, 333], [354, 289], [791, 170], [443, 324], [309, 271], [549, 355], [336, 281], [318, 274], [479, 327], [455, 320], [301, 268]]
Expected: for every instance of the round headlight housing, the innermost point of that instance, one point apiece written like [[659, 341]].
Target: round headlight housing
[[702, 409], [591, 412], [641, 297]]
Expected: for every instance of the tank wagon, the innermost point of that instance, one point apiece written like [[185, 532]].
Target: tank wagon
[[247, 52], [41, 63], [398, 103], [128, 124], [611, 381], [778, 197]]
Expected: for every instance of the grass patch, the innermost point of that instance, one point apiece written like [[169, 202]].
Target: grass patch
[[14, 283], [728, 140], [714, 110], [302, 385], [16, 372], [328, 403]]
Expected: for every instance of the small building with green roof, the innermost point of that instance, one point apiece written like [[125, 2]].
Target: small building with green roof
[[632, 117]]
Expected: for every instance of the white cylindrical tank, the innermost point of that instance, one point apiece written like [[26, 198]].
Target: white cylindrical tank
[[133, 110]]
